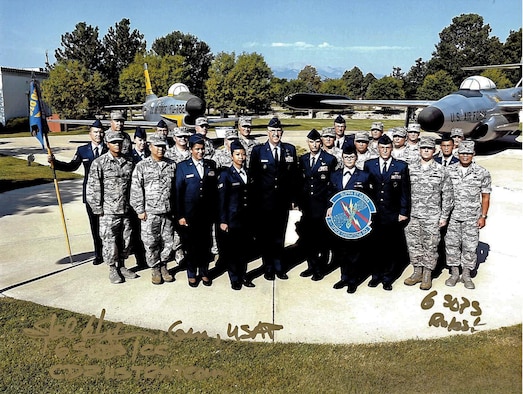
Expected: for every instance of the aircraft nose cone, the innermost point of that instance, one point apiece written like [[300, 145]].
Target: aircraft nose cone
[[195, 107], [431, 119]]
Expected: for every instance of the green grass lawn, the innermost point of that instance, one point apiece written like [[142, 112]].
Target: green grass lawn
[[484, 362]]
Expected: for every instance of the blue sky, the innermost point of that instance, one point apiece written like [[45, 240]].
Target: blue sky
[[374, 35]]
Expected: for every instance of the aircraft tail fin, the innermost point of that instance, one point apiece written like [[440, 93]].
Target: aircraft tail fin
[[149, 95]]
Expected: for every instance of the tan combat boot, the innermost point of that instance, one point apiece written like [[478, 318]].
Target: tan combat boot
[[465, 278], [156, 277], [454, 277], [166, 276], [426, 283], [415, 277]]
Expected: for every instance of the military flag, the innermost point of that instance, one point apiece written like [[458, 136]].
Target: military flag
[[37, 121]]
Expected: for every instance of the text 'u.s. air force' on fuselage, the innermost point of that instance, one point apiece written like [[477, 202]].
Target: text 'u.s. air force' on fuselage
[[481, 110]]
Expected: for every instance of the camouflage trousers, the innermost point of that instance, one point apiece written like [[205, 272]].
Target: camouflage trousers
[[423, 237], [115, 231], [158, 238], [461, 243]]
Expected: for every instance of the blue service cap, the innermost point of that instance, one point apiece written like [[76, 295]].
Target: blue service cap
[[162, 124], [349, 150], [314, 135], [97, 124], [274, 123], [339, 119], [140, 133], [196, 139], [384, 140], [236, 144]]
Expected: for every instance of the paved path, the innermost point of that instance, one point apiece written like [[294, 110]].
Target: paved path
[[34, 266]]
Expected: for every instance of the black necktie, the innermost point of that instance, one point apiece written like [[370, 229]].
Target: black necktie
[[384, 167], [96, 153], [276, 159], [313, 161]]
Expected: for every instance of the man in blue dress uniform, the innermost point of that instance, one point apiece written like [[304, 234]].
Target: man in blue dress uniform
[[390, 190], [274, 175]]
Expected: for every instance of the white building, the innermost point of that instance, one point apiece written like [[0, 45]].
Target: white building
[[14, 91]]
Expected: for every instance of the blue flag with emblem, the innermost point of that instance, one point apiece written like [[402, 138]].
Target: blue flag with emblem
[[37, 121]]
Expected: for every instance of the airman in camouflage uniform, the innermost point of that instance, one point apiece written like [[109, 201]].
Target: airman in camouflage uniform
[[223, 157], [472, 188], [432, 201], [107, 194], [117, 125], [202, 128], [399, 147], [180, 150], [248, 141], [376, 131], [361, 143], [413, 133], [151, 198], [328, 137]]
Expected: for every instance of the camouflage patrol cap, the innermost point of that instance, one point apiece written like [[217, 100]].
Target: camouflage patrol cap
[[466, 147], [456, 132], [245, 121], [158, 139], [328, 132], [117, 115], [414, 127], [377, 126], [181, 131], [113, 136], [427, 142], [231, 134], [400, 132], [362, 136], [201, 121]]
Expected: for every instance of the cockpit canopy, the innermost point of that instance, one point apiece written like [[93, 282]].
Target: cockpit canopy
[[477, 82], [178, 88]]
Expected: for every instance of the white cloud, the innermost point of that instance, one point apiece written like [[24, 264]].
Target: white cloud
[[326, 46]]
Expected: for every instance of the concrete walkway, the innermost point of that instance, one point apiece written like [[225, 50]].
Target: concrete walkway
[[34, 266]]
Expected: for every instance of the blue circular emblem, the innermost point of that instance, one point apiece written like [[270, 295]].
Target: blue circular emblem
[[351, 214]]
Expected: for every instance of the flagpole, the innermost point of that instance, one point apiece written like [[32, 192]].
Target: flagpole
[[59, 198], [39, 127]]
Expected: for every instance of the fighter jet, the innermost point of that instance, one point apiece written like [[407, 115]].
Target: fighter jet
[[482, 111], [179, 108]]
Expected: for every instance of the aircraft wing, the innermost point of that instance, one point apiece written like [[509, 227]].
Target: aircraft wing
[[510, 106], [320, 101], [105, 122]]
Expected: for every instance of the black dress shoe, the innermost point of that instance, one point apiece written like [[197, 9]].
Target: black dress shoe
[[248, 283], [317, 277], [374, 282], [193, 284], [387, 286], [268, 276], [236, 285], [207, 282], [339, 285], [351, 288], [282, 276], [305, 274], [97, 261]]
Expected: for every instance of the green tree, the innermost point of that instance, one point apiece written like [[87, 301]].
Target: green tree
[[465, 42], [197, 55], [367, 81], [82, 45], [74, 91], [414, 78], [512, 54], [354, 80], [121, 46], [163, 72], [312, 80], [219, 93], [250, 83], [435, 86], [280, 88], [498, 77], [386, 88], [335, 86]]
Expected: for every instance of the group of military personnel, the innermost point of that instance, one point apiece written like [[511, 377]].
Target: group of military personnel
[[183, 199]]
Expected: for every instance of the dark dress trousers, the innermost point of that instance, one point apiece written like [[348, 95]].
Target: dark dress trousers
[[274, 187], [391, 194], [196, 201]]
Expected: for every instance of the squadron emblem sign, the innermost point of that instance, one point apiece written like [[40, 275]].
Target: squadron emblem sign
[[351, 214]]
